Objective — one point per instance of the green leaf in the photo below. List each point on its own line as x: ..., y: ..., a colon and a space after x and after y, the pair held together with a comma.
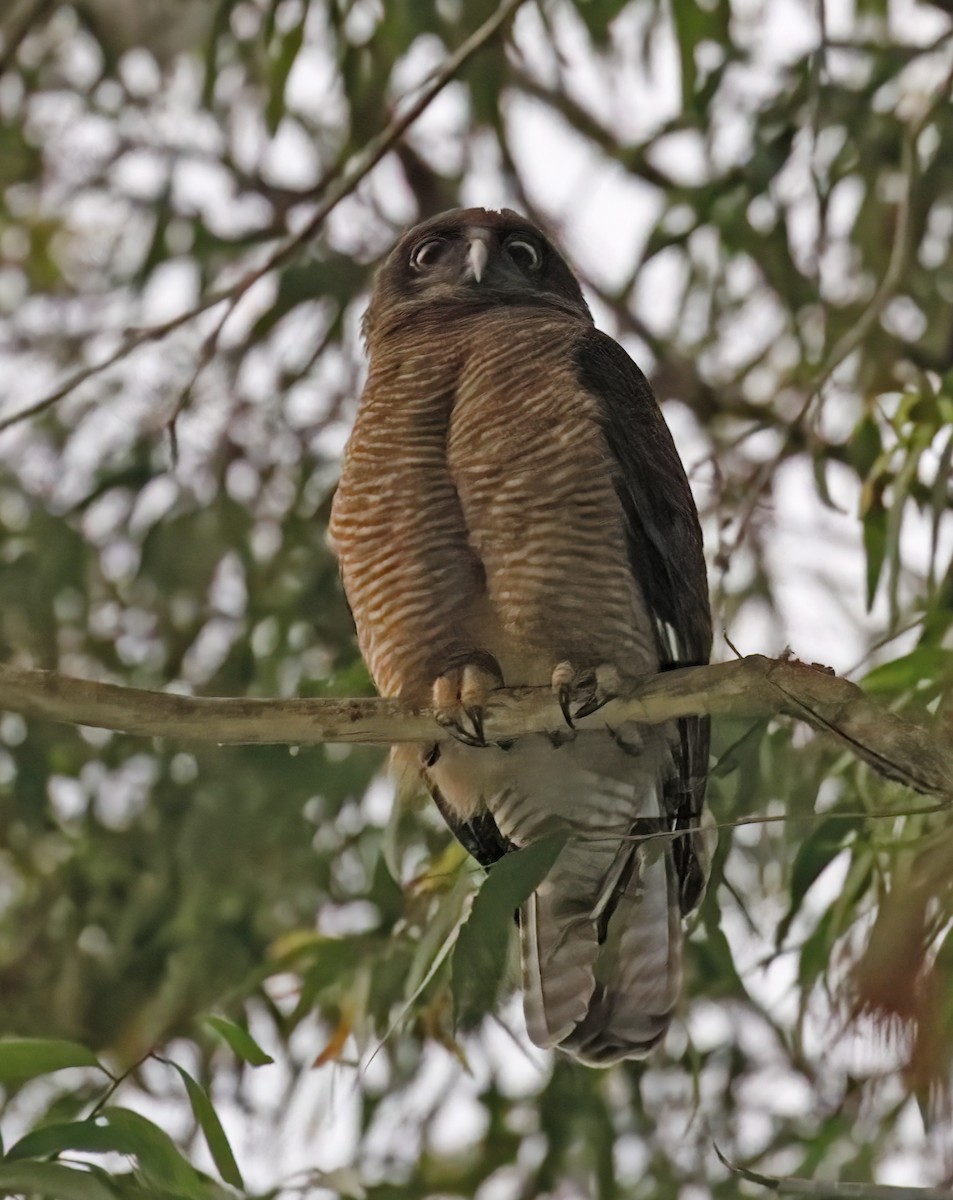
x: 939, y: 501
x: 94, y: 1137
x: 903, y: 482
x: 291, y: 44
x: 865, y: 446
x: 240, y: 1041
x: 598, y: 15
x: 686, y: 20
x: 25, y: 1058
x: 814, y: 955
x: 814, y: 958
x: 159, y: 1158
x: 922, y: 665
x: 54, y: 1180
x: 440, y: 935
x: 211, y: 1126
x: 820, y: 482
x: 816, y: 852
x: 710, y: 956
x: 479, y: 958
x: 122, y: 1131
x: 387, y: 894
x: 875, y: 546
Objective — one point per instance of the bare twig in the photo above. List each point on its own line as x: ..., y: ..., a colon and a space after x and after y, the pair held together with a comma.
x: 133, y: 339
x: 204, y: 357
x: 350, y: 176
x: 915, y: 753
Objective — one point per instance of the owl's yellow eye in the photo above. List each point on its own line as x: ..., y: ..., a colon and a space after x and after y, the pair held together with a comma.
x: 426, y: 253
x: 524, y: 253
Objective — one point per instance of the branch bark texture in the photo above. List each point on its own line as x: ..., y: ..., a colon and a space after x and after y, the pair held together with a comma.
x: 917, y: 753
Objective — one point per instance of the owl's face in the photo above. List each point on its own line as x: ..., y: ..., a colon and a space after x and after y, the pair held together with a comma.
x: 474, y: 257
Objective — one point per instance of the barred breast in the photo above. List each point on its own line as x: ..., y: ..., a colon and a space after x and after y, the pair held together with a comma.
x: 536, y: 485
x: 409, y: 573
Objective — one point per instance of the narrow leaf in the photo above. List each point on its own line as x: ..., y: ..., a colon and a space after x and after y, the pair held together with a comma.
x: 52, y: 1180
x: 25, y: 1058
x: 335, y: 1045
x: 240, y: 1040
x: 875, y: 546
x: 815, y: 853
x: 685, y: 18
x: 90, y: 1136
x: 211, y: 1126
x: 159, y: 1158
x: 865, y: 446
x: 923, y: 665
x: 281, y: 69
x: 479, y: 958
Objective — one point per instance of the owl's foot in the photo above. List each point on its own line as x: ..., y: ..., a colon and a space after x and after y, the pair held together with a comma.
x: 460, y: 696
x: 581, y: 692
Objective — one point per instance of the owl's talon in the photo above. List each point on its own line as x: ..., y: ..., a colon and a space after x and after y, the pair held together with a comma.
x: 563, y: 677
x: 476, y: 718
x: 582, y: 692
x: 565, y: 699
x: 449, y: 718
x: 461, y: 694
x: 463, y: 734
x: 588, y: 707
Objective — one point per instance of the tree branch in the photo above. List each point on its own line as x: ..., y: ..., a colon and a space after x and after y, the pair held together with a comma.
x: 916, y: 753
x: 341, y: 181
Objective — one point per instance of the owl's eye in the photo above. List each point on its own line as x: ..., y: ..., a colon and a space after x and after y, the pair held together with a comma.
x: 426, y: 253
x: 524, y: 253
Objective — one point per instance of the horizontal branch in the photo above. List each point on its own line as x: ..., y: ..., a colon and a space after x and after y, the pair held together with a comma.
x: 916, y: 753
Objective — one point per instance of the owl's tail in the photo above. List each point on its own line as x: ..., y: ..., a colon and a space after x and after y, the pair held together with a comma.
x: 601, y: 950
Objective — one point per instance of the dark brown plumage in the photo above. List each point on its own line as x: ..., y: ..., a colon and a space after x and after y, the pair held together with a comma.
x: 512, y: 508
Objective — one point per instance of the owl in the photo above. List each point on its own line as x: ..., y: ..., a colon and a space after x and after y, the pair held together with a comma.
x: 512, y: 511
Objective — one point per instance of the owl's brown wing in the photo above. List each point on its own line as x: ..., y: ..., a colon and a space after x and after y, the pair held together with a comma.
x: 665, y: 553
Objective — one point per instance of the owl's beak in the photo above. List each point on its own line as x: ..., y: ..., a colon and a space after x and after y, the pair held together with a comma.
x: 477, y: 257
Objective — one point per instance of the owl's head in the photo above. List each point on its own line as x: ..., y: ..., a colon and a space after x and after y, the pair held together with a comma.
x: 473, y: 257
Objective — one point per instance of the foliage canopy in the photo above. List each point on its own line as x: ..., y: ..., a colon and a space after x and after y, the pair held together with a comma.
x: 759, y: 197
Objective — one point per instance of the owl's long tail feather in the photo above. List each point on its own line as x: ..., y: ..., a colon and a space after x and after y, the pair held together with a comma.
x: 601, y: 950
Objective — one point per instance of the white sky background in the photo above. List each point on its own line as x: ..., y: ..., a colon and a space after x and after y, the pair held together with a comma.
x: 603, y: 216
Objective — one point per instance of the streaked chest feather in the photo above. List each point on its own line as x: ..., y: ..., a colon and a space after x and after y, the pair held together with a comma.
x: 478, y: 506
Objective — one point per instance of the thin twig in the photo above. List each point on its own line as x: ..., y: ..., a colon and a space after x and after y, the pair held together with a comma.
x: 117, y: 1082
x: 133, y: 339
x: 202, y: 360
x: 351, y: 175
